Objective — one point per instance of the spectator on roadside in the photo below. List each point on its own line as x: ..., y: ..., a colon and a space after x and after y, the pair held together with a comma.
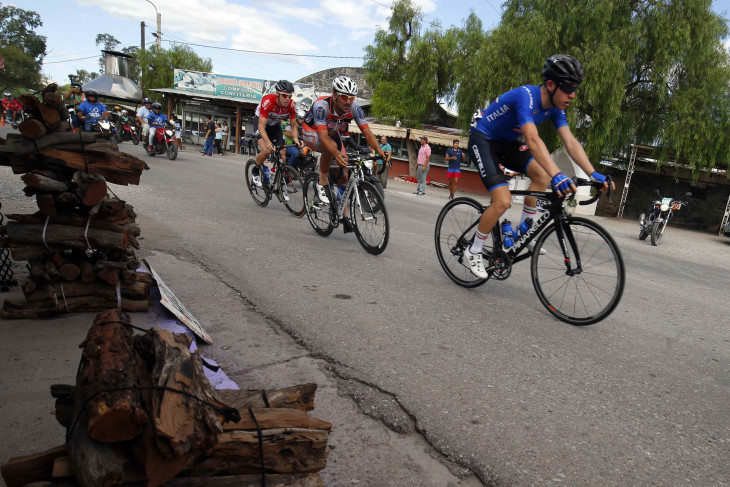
x: 218, y: 138
x: 178, y: 132
x: 424, y: 158
x: 225, y: 132
x: 74, y: 97
x: 386, y: 164
x: 251, y: 145
x: 454, y: 156
x: 209, y: 136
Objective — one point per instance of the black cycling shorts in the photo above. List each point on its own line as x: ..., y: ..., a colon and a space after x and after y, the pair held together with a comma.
x: 489, y: 154
x: 276, y: 135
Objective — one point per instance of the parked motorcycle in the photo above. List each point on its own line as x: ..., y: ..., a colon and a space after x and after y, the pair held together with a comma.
x: 658, y: 216
x: 128, y: 131
x: 19, y: 118
x: 164, y: 142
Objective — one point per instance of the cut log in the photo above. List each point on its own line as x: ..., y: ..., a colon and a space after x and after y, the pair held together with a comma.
x: 69, y: 272
x: 50, y: 116
x: 299, y: 397
x: 64, y: 395
x: 87, y: 271
x: 20, y: 145
x: 43, y: 183
x: 110, y: 276
x: 91, y: 187
x: 52, y: 270
x: 68, y: 237
x: 72, y: 289
x: 68, y: 200
x: 294, y: 480
x: 20, y: 309
x: 286, y: 450
x: 276, y: 418
x: 46, y: 204
x: 32, y: 128
x: 20, y: 471
x: 94, y: 463
x: 73, y: 219
x: 121, y: 168
x: 108, y: 363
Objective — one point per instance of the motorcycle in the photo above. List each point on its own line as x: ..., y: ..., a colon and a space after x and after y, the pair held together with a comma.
x: 164, y: 142
x: 129, y: 132
x: 105, y: 126
x: 658, y: 216
x: 19, y: 118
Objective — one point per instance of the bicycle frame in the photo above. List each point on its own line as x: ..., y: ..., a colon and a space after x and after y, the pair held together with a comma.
x: 353, y: 181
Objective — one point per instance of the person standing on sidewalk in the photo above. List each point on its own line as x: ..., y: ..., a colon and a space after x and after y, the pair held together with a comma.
x: 454, y: 156
x: 424, y: 158
x: 218, y: 138
x: 386, y: 163
x: 225, y: 131
x: 209, y: 136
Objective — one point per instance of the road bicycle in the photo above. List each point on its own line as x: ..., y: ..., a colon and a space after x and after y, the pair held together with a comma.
x: 580, y: 276
x: 284, y: 182
x: 365, y: 206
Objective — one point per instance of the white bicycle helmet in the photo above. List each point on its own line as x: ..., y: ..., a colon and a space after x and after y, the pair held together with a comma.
x: 344, y: 85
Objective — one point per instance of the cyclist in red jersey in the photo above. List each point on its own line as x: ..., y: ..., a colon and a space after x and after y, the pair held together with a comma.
x: 272, y: 110
x: 327, y: 119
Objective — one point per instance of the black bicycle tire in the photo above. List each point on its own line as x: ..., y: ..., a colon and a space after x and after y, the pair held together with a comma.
x: 656, y: 233
x: 439, y: 251
x: 364, y: 186
x: 311, y: 179
x: 250, y: 185
x: 621, y: 273
x: 294, y: 174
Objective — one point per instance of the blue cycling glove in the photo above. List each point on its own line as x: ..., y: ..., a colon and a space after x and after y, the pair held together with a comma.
x: 561, y: 182
x: 598, y: 177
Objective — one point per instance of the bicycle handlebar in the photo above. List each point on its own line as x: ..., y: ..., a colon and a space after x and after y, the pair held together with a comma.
x: 595, y: 184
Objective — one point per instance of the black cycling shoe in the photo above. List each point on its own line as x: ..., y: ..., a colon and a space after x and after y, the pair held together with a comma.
x: 347, y: 225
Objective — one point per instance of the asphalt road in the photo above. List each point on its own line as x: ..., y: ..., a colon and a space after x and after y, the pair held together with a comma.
x: 493, y: 381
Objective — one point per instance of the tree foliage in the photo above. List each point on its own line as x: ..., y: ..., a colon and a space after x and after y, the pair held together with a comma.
x: 108, y: 43
x: 21, y: 48
x: 656, y: 71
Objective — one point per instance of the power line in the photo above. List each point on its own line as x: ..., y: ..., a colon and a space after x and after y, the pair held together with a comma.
x: 264, y: 52
x: 69, y: 60
x: 493, y: 7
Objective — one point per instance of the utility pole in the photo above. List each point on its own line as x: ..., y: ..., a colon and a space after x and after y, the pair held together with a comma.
x: 159, y: 25
x: 141, y: 71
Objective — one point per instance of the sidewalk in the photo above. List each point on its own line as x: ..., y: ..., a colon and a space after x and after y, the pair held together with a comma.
x: 254, y: 351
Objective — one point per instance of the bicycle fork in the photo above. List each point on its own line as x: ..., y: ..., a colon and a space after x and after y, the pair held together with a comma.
x: 563, y: 231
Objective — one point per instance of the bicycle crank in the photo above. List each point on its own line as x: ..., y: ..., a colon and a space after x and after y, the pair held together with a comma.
x: 500, y: 264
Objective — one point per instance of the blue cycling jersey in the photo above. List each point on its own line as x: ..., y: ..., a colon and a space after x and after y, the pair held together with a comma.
x: 502, y: 120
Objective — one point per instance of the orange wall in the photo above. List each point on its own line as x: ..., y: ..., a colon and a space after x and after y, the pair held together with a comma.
x: 469, y: 181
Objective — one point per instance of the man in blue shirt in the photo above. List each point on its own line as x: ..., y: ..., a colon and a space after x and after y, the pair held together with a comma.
x: 91, y: 109
x: 155, y: 119
x: 493, y: 140
x: 454, y: 156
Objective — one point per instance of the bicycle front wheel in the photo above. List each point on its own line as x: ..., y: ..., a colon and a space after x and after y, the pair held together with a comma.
x: 258, y: 193
x: 455, y: 228
x: 590, y: 294
x: 318, y: 213
x: 291, y: 189
x: 372, y: 227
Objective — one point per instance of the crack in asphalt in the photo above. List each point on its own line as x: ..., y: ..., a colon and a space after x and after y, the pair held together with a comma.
x: 457, y: 466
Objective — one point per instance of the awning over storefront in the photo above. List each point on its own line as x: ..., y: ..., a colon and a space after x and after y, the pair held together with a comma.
x: 204, y: 97
x: 434, y: 137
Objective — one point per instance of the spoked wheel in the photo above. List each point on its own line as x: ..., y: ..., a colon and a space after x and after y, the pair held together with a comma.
x: 291, y: 190
x: 258, y: 193
x: 370, y: 217
x: 135, y: 139
x: 642, y: 223
x: 455, y: 229
x: 657, y: 232
x: 318, y: 213
x: 590, y: 295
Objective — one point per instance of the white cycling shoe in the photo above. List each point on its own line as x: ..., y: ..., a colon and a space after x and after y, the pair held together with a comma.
x: 257, y: 181
x: 531, y: 248
x: 322, y: 194
x: 475, y: 263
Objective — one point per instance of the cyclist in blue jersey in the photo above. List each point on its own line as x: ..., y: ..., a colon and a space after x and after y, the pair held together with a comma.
x: 493, y: 141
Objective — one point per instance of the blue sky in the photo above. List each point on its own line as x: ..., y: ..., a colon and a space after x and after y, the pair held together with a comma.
x: 313, y: 27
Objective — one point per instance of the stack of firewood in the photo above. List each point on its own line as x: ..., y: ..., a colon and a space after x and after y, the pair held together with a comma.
x: 79, y: 244
x: 157, y: 418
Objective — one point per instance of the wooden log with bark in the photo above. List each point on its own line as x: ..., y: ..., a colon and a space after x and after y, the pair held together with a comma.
x: 20, y: 309
x: 75, y: 220
x: 91, y: 187
x: 107, y: 363
x: 299, y: 397
x: 68, y: 237
x: 72, y: 289
x: 44, y: 183
x: 32, y: 128
x: 20, y: 471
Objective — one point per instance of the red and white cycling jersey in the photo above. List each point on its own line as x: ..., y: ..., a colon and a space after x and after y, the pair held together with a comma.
x: 269, y: 109
x: 322, y: 116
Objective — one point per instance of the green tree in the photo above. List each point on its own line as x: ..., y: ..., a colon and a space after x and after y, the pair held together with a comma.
x: 83, y: 76
x: 656, y: 72
x: 21, y: 48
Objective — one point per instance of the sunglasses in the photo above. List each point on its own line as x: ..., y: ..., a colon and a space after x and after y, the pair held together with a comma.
x: 347, y: 97
x: 568, y: 88
x: 285, y: 95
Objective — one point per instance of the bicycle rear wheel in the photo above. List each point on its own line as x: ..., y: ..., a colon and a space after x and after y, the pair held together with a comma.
x: 291, y: 189
x: 318, y: 213
x: 582, y: 298
x: 259, y: 194
x: 372, y: 227
x: 452, y: 238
